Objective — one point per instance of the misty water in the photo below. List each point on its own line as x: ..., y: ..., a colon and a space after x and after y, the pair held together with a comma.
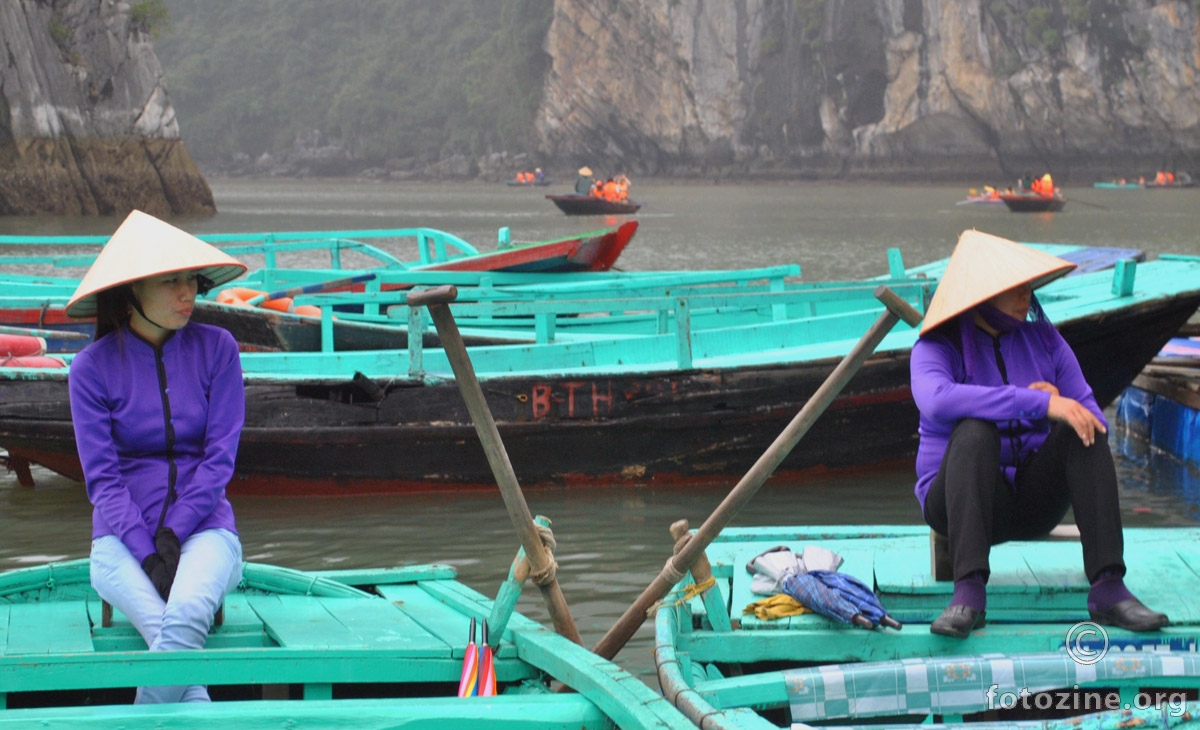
x: 612, y: 542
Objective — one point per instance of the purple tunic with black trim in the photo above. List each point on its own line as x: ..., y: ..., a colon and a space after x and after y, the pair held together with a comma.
x: 124, y: 416
x: 945, y: 394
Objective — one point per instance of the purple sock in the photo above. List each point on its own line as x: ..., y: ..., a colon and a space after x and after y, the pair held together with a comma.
x: 970, y: 591
x: 1107, y: 591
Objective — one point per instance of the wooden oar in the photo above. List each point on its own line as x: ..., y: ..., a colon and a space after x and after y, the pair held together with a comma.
x: 48, y: 334
x: 296, y: 291
x: 681, y: 562
x: 437, y: 299
x: 1084, y: 202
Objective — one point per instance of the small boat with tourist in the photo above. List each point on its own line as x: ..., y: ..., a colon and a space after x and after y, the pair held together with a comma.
x: 576, y: 204
x: 384, y: 647
x: 611, y: 386
x: 1029, y: 202
x: 733, y: 651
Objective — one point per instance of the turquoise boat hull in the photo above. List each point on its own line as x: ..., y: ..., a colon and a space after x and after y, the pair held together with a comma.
x: 365, y: 648
x: 716, y: 660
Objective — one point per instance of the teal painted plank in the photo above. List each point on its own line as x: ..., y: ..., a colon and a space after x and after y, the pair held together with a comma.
x: 3, y: 629
x: 516, y: 712
x: 48, y: 628
x: 380, y: 625
x: 433, y: 615
x: 301, y: 622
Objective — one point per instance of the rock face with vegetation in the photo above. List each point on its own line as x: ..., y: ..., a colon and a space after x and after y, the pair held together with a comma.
x: 86, y: 125
x: 893, y: 88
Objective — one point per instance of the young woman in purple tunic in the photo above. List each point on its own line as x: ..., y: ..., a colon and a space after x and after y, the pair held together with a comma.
x: 157, y: 404
x: 1010, y: 433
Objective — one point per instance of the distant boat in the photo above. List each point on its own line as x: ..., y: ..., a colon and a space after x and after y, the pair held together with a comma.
x: 1033, y: 203
x: 575, y: 204
x: 1118, y: 185
x: 981, y: 200
x: 529, y: 183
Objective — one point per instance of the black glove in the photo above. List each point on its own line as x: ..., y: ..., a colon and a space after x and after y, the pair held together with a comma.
x: 166, y: 543
x: 156, y: 568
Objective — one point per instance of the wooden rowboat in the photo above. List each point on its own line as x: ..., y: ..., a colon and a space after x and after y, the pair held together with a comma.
x: 1037, y: 653
x: 1033, y: 203
x: 659, y: 400
x: 575, y: 204
x: 363, y: 648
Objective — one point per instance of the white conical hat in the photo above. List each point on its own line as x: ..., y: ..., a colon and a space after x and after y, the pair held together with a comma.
x: 145, y: 246
x: 983, y: 266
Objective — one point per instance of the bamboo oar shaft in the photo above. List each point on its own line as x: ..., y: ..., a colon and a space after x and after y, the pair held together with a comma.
x: 635, y: 615
x: 48, y: 334
x: 485, y: 426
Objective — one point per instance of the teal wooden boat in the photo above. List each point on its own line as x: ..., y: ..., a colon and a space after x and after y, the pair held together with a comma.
x: 1038, y: 651
x: 654, y: 400
x: 368, y: 648
x: 349, y: 260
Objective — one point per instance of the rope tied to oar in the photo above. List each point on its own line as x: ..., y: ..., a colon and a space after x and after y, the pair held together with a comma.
x: 550, y: 572
x: 692, y: 590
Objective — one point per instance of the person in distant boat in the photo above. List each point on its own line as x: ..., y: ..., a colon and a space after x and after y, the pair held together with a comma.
x: 622, y: 183
x: 538, y: 175
x: 1011, y: 435
x: 1047, y: 188
x: 1026, y: 182
x: 583, y: 183
x: 157, y: 403
x: 609, y: 190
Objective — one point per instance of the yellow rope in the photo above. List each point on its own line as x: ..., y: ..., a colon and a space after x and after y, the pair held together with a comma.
x: 692, y: 591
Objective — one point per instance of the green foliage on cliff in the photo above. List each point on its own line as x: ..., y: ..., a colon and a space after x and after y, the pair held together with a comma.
x: 388, y: 80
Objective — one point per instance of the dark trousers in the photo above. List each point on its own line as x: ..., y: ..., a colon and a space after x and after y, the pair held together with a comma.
x: 972, y: 504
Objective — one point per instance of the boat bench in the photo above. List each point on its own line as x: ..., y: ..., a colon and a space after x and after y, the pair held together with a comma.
x: 106, y: 614
x: 942, y: 568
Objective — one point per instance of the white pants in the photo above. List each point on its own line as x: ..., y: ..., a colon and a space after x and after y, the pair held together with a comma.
x: 210, y: 565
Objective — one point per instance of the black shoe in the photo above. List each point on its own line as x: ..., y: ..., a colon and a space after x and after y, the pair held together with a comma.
x: 1130, y: 614
x: 958, y: 621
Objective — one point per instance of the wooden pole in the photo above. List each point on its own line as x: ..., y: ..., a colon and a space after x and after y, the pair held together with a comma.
x: 680, y: 563
x: 437, y: 300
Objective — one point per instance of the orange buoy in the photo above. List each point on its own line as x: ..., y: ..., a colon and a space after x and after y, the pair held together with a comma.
x: 31, y: 361
x: 21, y: 345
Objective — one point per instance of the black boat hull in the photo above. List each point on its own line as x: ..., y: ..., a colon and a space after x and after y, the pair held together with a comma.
x: 683, y: 427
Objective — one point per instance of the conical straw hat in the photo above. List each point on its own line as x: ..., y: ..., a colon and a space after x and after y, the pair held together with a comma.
x: 585, y: 171
x: 983, y: 266
x: 145, y: 246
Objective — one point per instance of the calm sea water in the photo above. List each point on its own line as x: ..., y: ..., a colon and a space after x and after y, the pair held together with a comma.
x: 612, y: 542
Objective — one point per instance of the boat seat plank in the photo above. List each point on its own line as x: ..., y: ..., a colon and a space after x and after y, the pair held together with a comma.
x: 50, y: 627
x: 431, y: 614
x: 300, y: 622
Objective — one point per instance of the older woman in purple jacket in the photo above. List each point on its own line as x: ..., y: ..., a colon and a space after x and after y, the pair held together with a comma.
x: 1011, y: 435
x: 157, y: 405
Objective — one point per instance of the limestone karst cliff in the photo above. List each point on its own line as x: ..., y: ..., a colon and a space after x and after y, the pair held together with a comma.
x: 901, y: 88
x: 86, y: 125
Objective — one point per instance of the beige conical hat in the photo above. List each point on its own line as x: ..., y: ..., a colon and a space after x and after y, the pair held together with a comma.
x: 145, y: 246
x: 585, y: 171
x: 981, y: 267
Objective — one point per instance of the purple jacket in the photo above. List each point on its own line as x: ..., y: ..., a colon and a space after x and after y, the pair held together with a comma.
x: 119, y: 409
x: 945, y: 394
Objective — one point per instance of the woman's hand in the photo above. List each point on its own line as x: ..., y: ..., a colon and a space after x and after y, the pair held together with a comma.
x: 1075, y: 415
x: 1042, y: 385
